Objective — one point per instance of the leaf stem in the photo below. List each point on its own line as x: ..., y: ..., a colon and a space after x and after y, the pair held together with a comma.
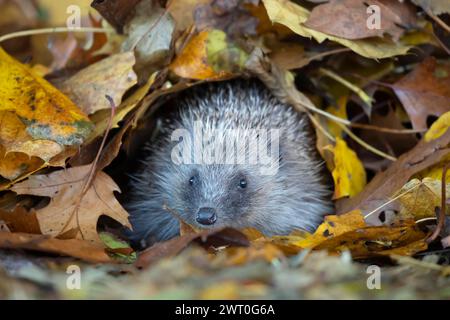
x: 393, y: 199
x: 438, y: 20
x: 25, y: 33
x: 365, y: 145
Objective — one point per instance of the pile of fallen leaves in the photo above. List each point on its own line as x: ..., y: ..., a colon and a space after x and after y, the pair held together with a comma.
x: 74, y: 106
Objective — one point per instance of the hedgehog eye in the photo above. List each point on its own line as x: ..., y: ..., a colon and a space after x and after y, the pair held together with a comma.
x: 243, y: 183
x: 192, y: 180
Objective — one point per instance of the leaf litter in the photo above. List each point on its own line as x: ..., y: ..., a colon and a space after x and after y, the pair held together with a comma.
x: 54, y: 114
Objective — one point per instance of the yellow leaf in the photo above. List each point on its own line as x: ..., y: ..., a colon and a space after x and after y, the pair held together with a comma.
x: 340, y: 112
x: 348, y: 173
x: 435, y: 171
x: 192, y: 62
x: 221, y: 290
x: 372, y: 241
x: 293, y: 16
x: 350, y: 232
x: 37, y: 122
x: 15, y: 164
x: 207, y: 56
x: 333, y: 226
x: 14, y: 138
x: 46, y: 112
x: 422, y: 199
x: 438, y: 128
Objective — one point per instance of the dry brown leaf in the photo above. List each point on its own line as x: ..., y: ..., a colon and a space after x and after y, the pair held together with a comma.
x: 425, y: 91
x: 348, y: 19
x: 112, y: 76
x: 70, y: 210
x: 232, y: 17
x: 436, y: 7
x: 258, y: 250
x: 183, y: 11
x: 15, y: 164
x: 289, y: 56
x: 21, y: 220
x: 422, y: 199
x: 206, y: 238
x: 149, y: 35
x: 380, y: 189
x: 293, y: 16
x: 116, y: 12
x: 4, y: 227
x: 81, y: 249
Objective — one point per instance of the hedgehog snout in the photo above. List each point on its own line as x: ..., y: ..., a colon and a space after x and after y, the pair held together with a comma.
x: 206, y: 216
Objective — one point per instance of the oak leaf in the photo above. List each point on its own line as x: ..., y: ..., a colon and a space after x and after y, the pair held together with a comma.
x: 425, y: 91
x: 420, y: 198
x: 73, y: 210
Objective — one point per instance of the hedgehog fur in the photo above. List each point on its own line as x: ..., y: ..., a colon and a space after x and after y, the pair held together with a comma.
x: 164, y: 191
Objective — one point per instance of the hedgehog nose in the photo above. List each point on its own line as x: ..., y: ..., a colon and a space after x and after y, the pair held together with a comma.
x: 206, y: 216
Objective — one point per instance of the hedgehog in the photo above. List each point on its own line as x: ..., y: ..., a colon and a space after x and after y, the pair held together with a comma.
x: 230, y: 154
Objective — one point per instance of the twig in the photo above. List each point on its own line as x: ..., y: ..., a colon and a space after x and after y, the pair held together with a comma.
x: 11, y: 183
x: 392, y: 200
x: 441, y: 43
x: 443, y: 209
x: 366, y: 145
x: 26, y: 33
x: 93, y: 168
x: 320, y: 127
x: 364, y: 96
x: 102, y: 145
x: 383, y: 129
x: 327, y: 53
x: 438, y: 20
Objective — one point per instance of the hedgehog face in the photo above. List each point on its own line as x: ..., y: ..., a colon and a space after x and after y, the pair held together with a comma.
x: 215, y: 195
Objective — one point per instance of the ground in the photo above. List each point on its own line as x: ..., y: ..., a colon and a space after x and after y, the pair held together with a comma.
x: 193, y: 274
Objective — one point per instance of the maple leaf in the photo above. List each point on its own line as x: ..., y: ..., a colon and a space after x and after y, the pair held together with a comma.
x: 73, y: 212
